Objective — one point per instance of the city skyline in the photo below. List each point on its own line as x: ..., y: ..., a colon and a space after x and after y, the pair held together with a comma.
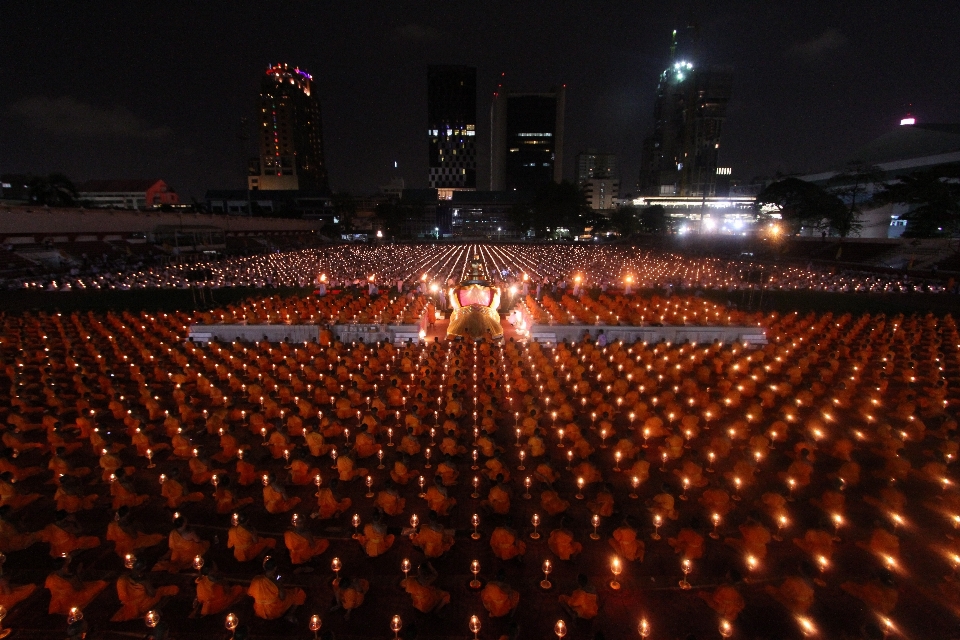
x: 125, y: 100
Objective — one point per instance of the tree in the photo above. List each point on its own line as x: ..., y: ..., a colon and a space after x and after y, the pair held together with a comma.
x: 800, y: 204
x: 625, y: 220
x: 54, y: 190
x: 653, y: 219
x: 852, y: 186
x: 934, y: 196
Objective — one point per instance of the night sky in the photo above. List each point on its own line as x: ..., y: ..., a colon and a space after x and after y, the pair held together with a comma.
x: 137, y: 88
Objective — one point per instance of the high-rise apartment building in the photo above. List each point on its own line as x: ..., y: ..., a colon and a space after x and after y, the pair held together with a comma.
x: 601, y: 193
x: 526, y: 139
x: 681, y: 156
x: 289, y: 134
x: 452, y: 127
x: 591, y: 164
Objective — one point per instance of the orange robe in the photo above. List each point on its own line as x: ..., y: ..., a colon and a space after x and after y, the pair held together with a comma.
x: 329, y: 506
x: 433, y: 542
x: 551, y: 502
x: 498, y: 500
x: 124, y: 543
x: 499, y: 599
x: 267, y: 601
x: 365, y: 445
x: 134, y: 599
x: 876, y: 595
x: 173, y: 492
x: 626, y: 545
x: 13, y: 540
x: 348, y: 471
x: 63, y: 542
x: 375, y: 539
x: 11, y: 596
x: 227, y: 501
x: 125, y: 497
x: 602, y: 505
x: 391, y: 503
x: 64, y: 595
x: 72, y: 503
x: 754, y: 541
x: 725, y: 600
x: 688, y: 544
x: 301, y: 473
x: 438, y: 502
x: 275, y: 503
x: 10, y: 497
x: 182, y: 552
x: 214, y: 596
x: 505, y: 545
x: 349, y: 597
x: 245, y: 544
x: 584, y: 603
x: 794, y: 593
x: 400, y: 474
x: 425, y: 597
x: 561, y: 542
x: 303, y: 548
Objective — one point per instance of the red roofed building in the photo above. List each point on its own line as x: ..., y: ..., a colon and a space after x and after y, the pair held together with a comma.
x: 127, y: 194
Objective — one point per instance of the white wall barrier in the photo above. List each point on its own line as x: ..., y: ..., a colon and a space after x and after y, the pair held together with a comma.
x: 674, y: 334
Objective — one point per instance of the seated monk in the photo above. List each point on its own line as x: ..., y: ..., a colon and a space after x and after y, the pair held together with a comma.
x: 432, y: 538
x: 552, y: 503
x: 725, y: 600
x: 348, y: 470
x: 174, y: 493
x: 123, y: 492
x: 137, y: 595
x: 227, y: 501
x: 664, y: 505
x: 640, y: 470
x: 316, y: 443
x: 499, y: 598
x: 498, y: 499
x: 879, y: 594
x: 275, y: 497
x: 536, y: 445
x: 794, y: 593
x: 245, y: 542
x: 66, y: 589
x: 437, y: 499
x: 375, y: 539
x: 562, y: 543
x: 61, y: 467
x: 625, y: 542
x: 716, y: 501
x: 583, y: 603
x: 270, y: 600
x: 10, y: 497
x: 328, y: 502
x: 277, y: 443
x: 389, y: 500
x: 201, y: 471
x: 246, y: 471
x: 300, y: 542
x: 111, y: 463
x: 229, y: 447
x: 11, y: 596
x: 301, y: 473
x: 409, y: 444
x: 17, y: 473
x: 602, y: 504
x: 62, y: 538
x: 185, y: 545
x: 69, y: 496
x: 447, y: 470
x: 401, y: 472
x: 588, y: 471
x: 365, y: 444
x: 546, y: 473
x: 449, y: 447
x: 754, y: 540
x: 214, y: 596
x: 688, y: 543
x: 505, y: 543
x: 495, y: 467
x: 426, y: 598
x: 349, y: 592
x: 11, y: 538
x: 817, y: 543
x: 125, y: 538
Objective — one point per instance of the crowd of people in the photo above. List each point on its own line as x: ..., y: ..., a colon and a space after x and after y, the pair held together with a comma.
x: 597, y: 266
x: 154, y: 486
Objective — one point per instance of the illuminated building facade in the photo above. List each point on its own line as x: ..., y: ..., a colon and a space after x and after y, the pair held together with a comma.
x: 526, y: 149
x: 452, y: 127
x: 601, y: 193
x: 591, y: 164
x: 681, y: 156
x: 289, y: 134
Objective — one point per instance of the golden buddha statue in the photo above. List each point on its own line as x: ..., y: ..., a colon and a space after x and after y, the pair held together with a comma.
x: 475, y: 302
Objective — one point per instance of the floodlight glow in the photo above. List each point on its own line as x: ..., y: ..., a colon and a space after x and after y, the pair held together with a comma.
x: 907, y: 121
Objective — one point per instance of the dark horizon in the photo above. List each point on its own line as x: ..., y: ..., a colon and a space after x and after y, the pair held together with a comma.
x: 149, y: 90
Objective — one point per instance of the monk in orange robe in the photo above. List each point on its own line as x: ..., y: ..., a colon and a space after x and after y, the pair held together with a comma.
x: 437, y: 499
x: 432, y: 538
x: 552, y: 503
x: 185, y: 545
x: 348, y: 470
x: 125, y: 538
x: 498, y: 500
x: 426, y: 598
x: 879, y: 594
x: 69, y: 496
x: 447, y: 470
x: 390, y: 501
x: 329, y: 503
x: 499, y: 598
x: 754, y: 540
x: 401, y: 472
x: 366, y: 444
x: 275, y: 497
x: 794, y: 593
x: 725, y: 600
x: 349, y: 592
x: 11, y: 538
x: 316, y: 443
x: 300, y: 542
x: 625, y: 542
x: 583, y: 603
x: 174, y: 493
x: 546, y: 473
x: 124, y: 494
x: 214, y: 596
x: 505, y: 543
x: 374, y: 539
x: 245, y: 542
x: 495, y: 468
x: 688, y: 543
x: 301, y: 473
x: 602, y: 504
x: 11, y: 595
x: 137, y: 595
x: 9, y: 496
x: 246, y: 471
x: 66, y: 589
x: 562, y: 543
x: 270, y: 600
x: 226, y: 499
x: 62, y: 537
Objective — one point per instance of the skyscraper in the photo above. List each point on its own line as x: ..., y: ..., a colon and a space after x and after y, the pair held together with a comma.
x: 681, y: 156
x: 591, y: 164
x: 452, y: 127
x: 290, y: 134
x: 526, y: 139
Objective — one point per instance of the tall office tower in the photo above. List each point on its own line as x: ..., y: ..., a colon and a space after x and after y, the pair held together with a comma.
x: 526, y: 139
x: 591, y: 164
x: 681, y: 156
x: 290, y: 134
x: 452, y: 127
